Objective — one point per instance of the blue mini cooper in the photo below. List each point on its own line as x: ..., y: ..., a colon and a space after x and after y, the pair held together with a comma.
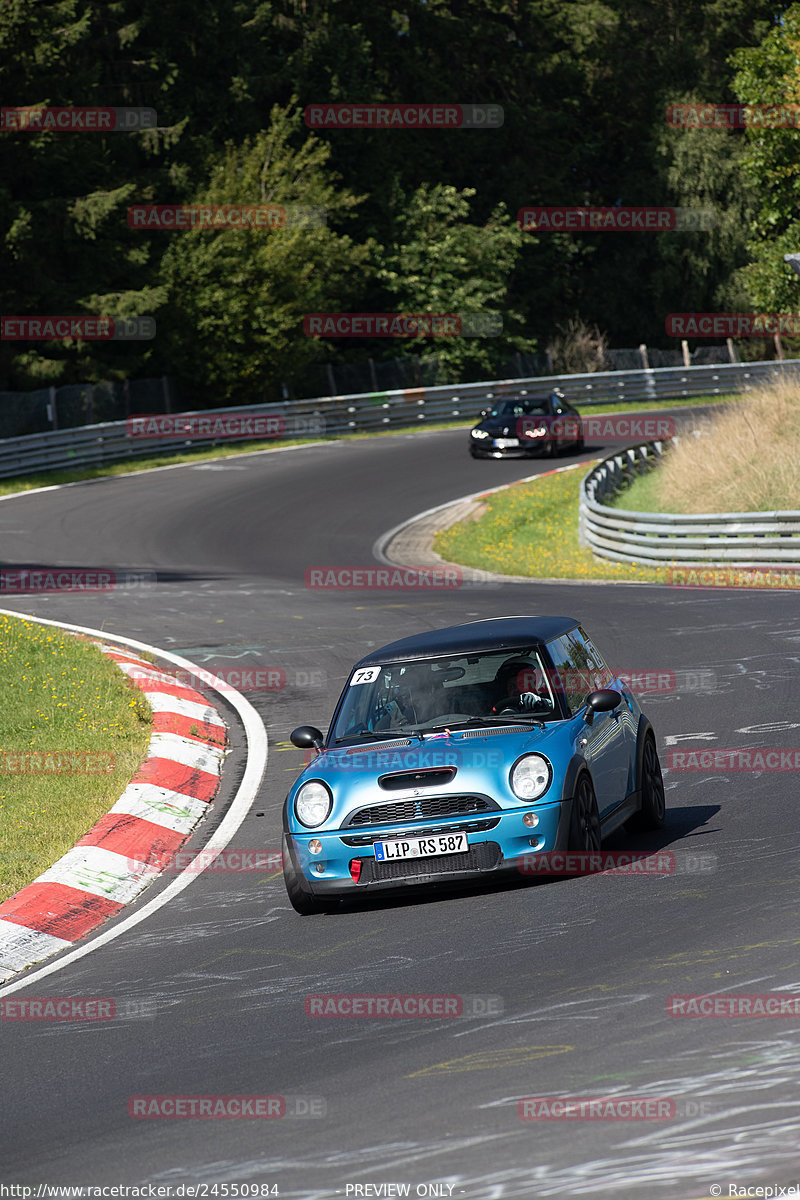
x: 462, y: 752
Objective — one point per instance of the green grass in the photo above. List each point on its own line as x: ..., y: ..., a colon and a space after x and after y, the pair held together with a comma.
x: 532, y: 529
x: 26, y: 483
x: 59, y: 695
x: 643, y: 495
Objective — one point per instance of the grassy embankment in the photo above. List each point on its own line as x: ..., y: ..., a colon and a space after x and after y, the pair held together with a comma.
x: 743, y: 461
x: 747, y: 460
x: 72, y: 734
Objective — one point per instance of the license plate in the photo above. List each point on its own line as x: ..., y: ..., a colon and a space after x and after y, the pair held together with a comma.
x: 445, y: 843
x: 504, y: 443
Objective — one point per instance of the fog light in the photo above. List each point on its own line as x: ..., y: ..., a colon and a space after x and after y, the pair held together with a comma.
x: 536, y: 843
x: 319, y: 868
x: 531, y: 820
x: 315, y: 846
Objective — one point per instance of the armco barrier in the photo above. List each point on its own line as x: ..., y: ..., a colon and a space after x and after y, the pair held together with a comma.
x: 95, y: 445
x: 657, y: 539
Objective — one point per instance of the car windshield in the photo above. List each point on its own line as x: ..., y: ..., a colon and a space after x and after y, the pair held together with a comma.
x: 421, y: 696
x: 519, y: 408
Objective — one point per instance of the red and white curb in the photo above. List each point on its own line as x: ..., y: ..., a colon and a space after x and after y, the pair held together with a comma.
x: 111, y: 864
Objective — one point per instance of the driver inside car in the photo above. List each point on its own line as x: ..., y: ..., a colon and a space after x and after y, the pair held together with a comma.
x: 520, y: 686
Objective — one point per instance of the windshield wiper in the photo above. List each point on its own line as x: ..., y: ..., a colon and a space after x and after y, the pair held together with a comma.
x: 477, y: 722
x: 388, y: 735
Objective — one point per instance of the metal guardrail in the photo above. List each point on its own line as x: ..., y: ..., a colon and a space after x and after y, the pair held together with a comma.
x: 677, y: 539
x: 97, y: 445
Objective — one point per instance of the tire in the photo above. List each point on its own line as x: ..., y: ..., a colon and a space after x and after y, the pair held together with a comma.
x: 584, y: 831
x: 301, y: 900
x: 652, y: 814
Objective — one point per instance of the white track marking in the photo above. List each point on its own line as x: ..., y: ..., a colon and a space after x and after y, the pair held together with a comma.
x: 257, y: 756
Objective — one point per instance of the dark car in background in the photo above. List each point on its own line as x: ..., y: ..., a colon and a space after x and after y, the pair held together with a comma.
x: 524, y: 426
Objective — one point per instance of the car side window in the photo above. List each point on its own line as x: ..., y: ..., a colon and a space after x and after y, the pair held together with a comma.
x: 579, y: 666
x: 569, y: 678
x: 599, y: 672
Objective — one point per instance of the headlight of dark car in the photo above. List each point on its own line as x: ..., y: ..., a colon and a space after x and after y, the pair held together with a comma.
x: 530, y: 777
x: 313, y: 803
x: 479, y: 433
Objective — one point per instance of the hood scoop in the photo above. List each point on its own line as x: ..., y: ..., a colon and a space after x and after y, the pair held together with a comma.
x: 402, y: 781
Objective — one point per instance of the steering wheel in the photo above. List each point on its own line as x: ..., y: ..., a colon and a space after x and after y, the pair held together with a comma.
x: 512, y: 702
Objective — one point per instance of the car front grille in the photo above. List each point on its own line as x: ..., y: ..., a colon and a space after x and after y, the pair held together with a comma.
x: 482, y: 857
x: 368, y: 839
x: 420, y: 808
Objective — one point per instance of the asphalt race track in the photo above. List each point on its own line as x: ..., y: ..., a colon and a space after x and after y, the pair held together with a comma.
x: 581, y: 968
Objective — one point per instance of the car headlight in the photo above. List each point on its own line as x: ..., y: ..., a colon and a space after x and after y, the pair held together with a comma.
x: 313, y: 803
x: 536, y: 431
x: 479, y: 433
x: 530, y: 777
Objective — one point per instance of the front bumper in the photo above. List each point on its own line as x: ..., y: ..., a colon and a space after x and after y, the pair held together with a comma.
x: 503, y: 848
x: 532, y: 450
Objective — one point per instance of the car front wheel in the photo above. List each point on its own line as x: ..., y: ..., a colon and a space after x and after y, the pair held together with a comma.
x: 584, y: 834
x: 652, y: 814
x: 301, y: 900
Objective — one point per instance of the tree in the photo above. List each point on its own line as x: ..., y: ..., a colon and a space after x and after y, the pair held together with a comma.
x: 236, y: 298
x: 438, y: 262
x: 770, y: 74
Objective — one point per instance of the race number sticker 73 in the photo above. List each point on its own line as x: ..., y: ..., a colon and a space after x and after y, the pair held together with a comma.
x: 365, y: 675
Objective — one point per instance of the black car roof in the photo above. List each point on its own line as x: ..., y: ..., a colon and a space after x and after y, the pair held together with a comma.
x: 498, y: 633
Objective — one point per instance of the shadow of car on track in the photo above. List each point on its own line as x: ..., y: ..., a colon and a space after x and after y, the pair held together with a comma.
x: 664, y: 850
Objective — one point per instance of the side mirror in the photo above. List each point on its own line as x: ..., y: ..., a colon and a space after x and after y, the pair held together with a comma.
x: 307, y: 737
x: 603, y: 701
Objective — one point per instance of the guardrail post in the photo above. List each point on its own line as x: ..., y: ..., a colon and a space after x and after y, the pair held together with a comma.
x: 52, y: 409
